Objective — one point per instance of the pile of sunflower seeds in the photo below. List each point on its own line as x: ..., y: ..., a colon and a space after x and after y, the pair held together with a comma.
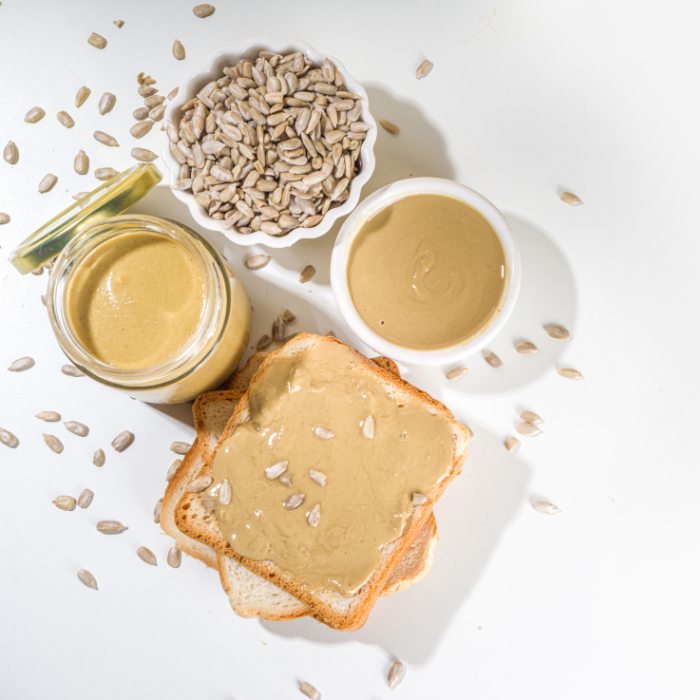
x: 271, y: 146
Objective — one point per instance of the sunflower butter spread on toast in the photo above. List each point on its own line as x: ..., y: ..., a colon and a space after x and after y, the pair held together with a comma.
x: 324, y: 473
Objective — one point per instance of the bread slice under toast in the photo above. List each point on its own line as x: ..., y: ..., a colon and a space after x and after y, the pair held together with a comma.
x: 249, y: 594
x: 344, y: 613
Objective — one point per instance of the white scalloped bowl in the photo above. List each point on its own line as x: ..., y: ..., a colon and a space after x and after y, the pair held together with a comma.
x: 213, y: 70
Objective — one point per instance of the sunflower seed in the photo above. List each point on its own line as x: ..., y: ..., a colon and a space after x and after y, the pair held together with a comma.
x: 105, y: 173
x: 48, y: 416
x: 76, y: 428
x: 71, y: 371
x: 456, y: 373
x: 65, y: 502
x: 284, y: 479
x: 87, y: 579
x: 368, y: 428
x: 569, y: 373
x: 11, y: 154
x: 288, y: 316
x: 122, y: 441
x: 8, y: 439
x: 99, y: 42
x: 46, y: 185
x: 318, y: 477
x: 419, y: 499
x: 199, y: 484
x: 143, y: 154
x: 546, y: 508
x: 81, y: 163
x: 278, y: 329
x: 54, y: 443
x: 396, y: 674
x: 225, y: 493
x: 307, y: 273
x: 154, y: 101
x: 276, y: 469
x: 106, y: 103
x: 314, y: 515
x: 308, y: 690
x: 156, y: 510
x: 4, y: 219
x: 34, y: 115
x: 557, y: 332
x: 180, y: 448
x: 146, y: 89
x: 203, y: 11
x: 388, y: 126
x: 423, y: 69
x: 257, y: 262
x: 173, y: 94
x: 294, y: 501
x: 492, y: 359
x: 105, y: 139
x: 85, y: 498
x: 528, y: 429
x: 178, y: 50
x: 140, y: 129
x: 569, y: 198
x: 22, y: 364
x: 98, y: 459
x: 173, y: 468
x: 320, y: 431
x: 527, y: 348
x: 174, y: 557
x: 81, y: 96
x: 156, y: 114
x: 38, y: 271
x: 263, y: 342
x: 111, y: 527
x: 141, y: 113
x: 147, y: 555
x: 531, y: 417
x: 512, y: 445
x: 119, y: 23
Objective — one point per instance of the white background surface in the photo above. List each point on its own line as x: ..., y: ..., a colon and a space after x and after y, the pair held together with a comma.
x: 526, y: 99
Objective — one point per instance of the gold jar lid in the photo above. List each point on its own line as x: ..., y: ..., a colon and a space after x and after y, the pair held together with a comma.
x: 110, y: 199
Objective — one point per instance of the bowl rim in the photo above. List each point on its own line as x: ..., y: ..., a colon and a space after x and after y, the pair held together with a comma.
x: 198, y: 77
x: 382, y: 198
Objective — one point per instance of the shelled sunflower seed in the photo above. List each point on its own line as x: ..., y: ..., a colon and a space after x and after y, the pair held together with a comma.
x: 174, y: 557
x: 65, y: 119
x: 76, y: 428
x: 4, y: 219
x: 8, y: 439
x: 70, y: 370
x: 85, y: 498
x: 111, y: 527
x: 98, y: 459
x: 82, y: 95
x: 180, y: 448
x: 512, y: 444
x: 527, y: 348
x: 203, y: 11
x: 48, y: 416
x: 65, y: 502
x: 308, y: 690
x: 11, y: 153
x: 106, y: 103
x: 178, y: 50
x: 105, y: 173
x: 47, y: 184
x: 87, y: 579
x: 21, y: 365
x: 141, y: 128
x: 389, y: 127
x: 492, y: 359
x: 147, y: 555
x: 423, y: 69
x: 307, y: 273
x: 119, y: 23
x: 272, y: 145
x: 571, y: 199
x: 105, y: 139
x: 264, y: 342
x: 55, y: 445
x: 34, y: 115
x: 122, y: 441
x: 456, y: 373
x: 143, y: 154
x: 173, y: 94
x: 81, y: 164
x: 396, y: 674
x: 99, y: 42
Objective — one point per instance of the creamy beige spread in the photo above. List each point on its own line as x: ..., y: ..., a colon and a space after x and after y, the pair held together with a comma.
x: 136, y: 299
x: 427, y: 272
x: 312, y: 413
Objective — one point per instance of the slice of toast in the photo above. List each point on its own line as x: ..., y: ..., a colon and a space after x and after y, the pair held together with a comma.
x: 345, y: 613
x: 249, y: 594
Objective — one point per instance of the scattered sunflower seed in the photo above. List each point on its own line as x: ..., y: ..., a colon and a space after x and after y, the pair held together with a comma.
x: 147, y: 89
x: 119, y: 23
x: 209, y: 503
x: 368, y: 428
x: 546, y: 508
x: 22, y: 364
x: 284, y: 479
x: 264, y: 342
x: 85, y: 498
x: 81, y: 96
x: 318, y: 477
x: 174, y: 557
x: 143, y: 154
x: 180, y: 448
x: 173, y: 468
x: 557, y: 332
x: 65, y: 502
x: 147, y: 555
x: 308, y: 690
x: 396, y: 674
x: 87, y: 579
x: 569, y: 373
x: 46, y: 185
x: 528, y: 429
x: 99, y: 42
x: 71, y: 371
x: 34, y: 115
x: 111, y: 527
x: 307, y: 273
x: 198, y: 485
x: 225, y: 493
x: 173, y: 94
x: 570, y: 198
x: 81, y: 164
x: 106, y: 103
x: 98, y: 459
x: 48, y: 416
x: 276, y: 469
x: 65, y: 119
x: 11, y: 154
x: 456, y: 373
x: 140, y: 129
x: 423, y: 69
x: 178, y: 50
x: 294, y: 501
x: 257, y: 262
x: 156, y: 114
x: 4, y: 219
x: 288, y: 317
x: 55, y: 445
x: 512, y: 445
x: 76, y: 428
x: 105, y: 173
x: 141, y: 113
x: 492, y: 359
x: 79, y: 196
x: 388, y: 126
x: 531, y: 417
x: 279, y: 328
x: 156, y: 511
x: 203, y: 11
x: 105, y: 139
x: 324, y: 433
x: 314, y: 515
x: 122, y: 441
x: 527, y: 348
x: 8, y: 439
x: 419, y: 499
